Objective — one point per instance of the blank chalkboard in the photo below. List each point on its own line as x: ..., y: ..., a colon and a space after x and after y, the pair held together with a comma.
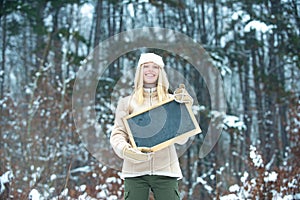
x: 161, y: 125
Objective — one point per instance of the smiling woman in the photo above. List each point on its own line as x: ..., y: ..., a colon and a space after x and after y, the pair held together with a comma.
x: 157, y: 171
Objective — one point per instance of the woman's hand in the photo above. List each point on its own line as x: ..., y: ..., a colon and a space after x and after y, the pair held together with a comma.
x: 145, y: 149
x: 182, y: 96
x: 135, y: 154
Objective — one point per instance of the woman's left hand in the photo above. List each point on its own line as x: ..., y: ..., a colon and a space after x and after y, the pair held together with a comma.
x: 182, y: 96
x: 145, y: 149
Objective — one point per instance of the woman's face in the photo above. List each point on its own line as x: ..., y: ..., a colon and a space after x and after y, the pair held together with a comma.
x: 150, y: 73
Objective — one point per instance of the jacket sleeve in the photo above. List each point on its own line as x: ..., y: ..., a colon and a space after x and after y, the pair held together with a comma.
x: 119, y: 137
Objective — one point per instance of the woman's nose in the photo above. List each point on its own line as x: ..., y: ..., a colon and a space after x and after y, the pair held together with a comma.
x: 151, y: 69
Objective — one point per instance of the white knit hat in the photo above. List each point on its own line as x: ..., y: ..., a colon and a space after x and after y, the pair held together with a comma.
x: 151, y: 57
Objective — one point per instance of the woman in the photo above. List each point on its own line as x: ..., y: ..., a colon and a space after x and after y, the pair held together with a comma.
x: 156, y: 171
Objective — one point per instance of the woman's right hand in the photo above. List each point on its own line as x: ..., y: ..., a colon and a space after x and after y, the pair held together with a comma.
x: 135, y: 154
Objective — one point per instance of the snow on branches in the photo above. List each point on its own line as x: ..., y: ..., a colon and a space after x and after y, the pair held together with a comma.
x: 5, y: 180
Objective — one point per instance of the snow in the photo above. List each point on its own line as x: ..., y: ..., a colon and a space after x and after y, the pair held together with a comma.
x: 81, y: 169
x: 208, y: 188
x: 34, y: 195
x: 229, y: 197
x: 201, y: 180
x: 244, y: 177
x: 234, y: 188
x: 293, y: 184
x: 232, y: 121
x: 3, y: 100
x: 235, y: 16
x: 102, y: 194
x: 53, y: 177
x: 130, y: 9
x: 256, y: 158
x: 251, y: 24
x: 5, y: 178
x: 240, y: 15
x: 258, y: 26
x: 82, y: 188
x: 64, y: 114
x: 49, y: 22
x: 65, y: 192
x: 112, y: 180
x: 271, y: 177
x: 87, y: 10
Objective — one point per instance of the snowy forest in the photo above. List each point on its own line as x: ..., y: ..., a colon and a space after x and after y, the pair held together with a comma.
x: 254, y: 45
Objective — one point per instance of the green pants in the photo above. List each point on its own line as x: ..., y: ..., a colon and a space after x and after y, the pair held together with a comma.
x: 163, y: 188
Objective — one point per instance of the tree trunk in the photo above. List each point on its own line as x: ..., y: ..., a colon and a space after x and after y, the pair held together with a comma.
x: 203, y: 13
x: 57, y: 46
x: 98, y: 32
x: 216, y: 22
x: 2, y: 72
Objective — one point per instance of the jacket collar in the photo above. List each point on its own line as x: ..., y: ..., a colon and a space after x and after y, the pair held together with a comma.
x: 150, y: 92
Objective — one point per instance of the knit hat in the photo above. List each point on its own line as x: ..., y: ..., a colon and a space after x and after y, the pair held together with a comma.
x: 151, y: 57
x: 162, y: 83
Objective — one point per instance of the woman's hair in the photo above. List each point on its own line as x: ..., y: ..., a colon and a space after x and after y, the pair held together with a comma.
x: 162, y: 82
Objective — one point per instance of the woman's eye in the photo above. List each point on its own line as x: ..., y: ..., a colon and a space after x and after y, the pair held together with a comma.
x: 151, y: 66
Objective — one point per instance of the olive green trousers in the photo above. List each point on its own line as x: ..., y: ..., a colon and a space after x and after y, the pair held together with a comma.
x: 162, y: 187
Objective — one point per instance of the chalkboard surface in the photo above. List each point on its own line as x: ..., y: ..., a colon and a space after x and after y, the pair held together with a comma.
x: 161, y: 125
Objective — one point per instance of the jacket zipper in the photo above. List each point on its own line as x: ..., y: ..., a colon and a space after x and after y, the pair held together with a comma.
x: 151, y: 96
x: 151, y: 161
x: 151, y: 166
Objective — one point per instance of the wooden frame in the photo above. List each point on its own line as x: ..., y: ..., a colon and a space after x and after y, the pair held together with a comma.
x: 161, y: 125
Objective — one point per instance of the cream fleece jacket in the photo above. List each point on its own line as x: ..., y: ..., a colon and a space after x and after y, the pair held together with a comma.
x: 164, y: 162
